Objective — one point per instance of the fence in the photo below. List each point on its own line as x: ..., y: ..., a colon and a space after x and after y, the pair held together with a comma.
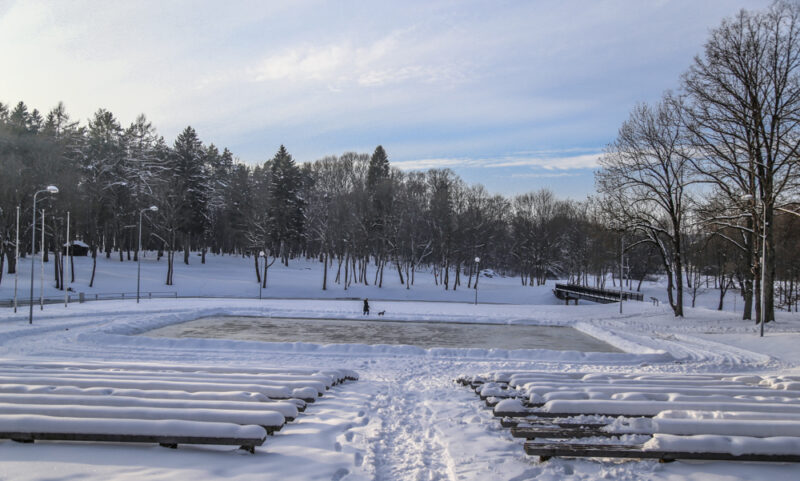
x: 81, y: 297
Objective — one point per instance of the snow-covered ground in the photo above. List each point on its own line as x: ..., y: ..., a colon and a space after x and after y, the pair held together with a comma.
x: 405, y: 419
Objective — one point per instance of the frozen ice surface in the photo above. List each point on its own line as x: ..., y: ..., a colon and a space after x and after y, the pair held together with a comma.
x: 421, y: 334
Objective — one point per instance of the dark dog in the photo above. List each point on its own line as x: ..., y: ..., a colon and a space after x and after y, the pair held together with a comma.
x: 382, y: 313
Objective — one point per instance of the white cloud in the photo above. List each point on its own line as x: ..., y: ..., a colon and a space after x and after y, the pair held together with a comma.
x: 542, y: 175
x: 551, y: 162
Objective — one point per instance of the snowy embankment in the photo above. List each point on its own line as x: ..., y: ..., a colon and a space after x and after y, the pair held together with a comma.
x: 404, y: 418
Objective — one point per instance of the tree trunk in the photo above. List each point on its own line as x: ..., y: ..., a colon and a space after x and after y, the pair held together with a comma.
x: 56, y: 276
x: 747, y: 294
x: 255, y: 264
x: 346, y: 267
x: 94, y: 265
x: 325, y: 272
x: 186, y: 250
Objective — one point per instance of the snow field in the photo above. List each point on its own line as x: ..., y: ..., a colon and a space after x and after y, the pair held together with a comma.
x: 405, y: 419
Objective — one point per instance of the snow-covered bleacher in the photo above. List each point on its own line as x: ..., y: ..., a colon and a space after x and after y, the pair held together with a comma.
x: 662, y: 416
x: 158, y: 403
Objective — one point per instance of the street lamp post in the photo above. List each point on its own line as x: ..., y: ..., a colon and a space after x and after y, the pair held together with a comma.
x: 260, y: 283
x: 41, y: 264
x: 152, y: 208
x: 763, y: 259
x: 16, y: 263
x: 50, y: 189
x: 621, y: 262
x: 477, y: 276
x: 65, y: 269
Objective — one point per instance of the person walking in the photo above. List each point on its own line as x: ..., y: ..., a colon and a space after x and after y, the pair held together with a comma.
x: 366, y: 307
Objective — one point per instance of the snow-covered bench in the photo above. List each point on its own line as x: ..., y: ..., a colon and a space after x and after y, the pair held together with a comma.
x: 167, y: 404
x: 169, y: 433
x: 665, y: 447
x: 683, y: 416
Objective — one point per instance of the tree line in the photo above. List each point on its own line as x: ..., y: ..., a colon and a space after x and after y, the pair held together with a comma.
x: 699, y: 186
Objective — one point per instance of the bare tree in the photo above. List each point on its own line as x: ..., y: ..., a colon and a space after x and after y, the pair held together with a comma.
x: 644, y: 180
x: 744, y: 114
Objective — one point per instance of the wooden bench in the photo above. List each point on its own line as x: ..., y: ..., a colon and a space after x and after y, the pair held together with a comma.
x: 545, y: 451
x: 164, y: 404
x: 169, y: 433
x: 769, y: 429
x: 247, y: 444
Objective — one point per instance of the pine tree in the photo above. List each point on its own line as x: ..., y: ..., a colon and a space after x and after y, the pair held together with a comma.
x: 189, y: 178
x: 286, y: 213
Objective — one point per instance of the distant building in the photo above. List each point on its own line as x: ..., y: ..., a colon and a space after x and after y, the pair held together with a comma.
x: 78, y: 248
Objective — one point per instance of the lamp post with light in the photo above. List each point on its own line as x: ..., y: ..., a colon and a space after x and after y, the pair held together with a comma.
x: 50, y: 189
x: 748, y: 197
x: 152, y: 208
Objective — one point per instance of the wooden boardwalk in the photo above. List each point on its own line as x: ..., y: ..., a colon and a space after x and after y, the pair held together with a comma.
x: 573, y: 292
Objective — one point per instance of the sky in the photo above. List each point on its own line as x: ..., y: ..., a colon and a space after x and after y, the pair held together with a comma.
x: 516, y: 96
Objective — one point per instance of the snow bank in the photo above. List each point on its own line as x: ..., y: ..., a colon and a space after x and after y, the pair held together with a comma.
x: 735, y: 445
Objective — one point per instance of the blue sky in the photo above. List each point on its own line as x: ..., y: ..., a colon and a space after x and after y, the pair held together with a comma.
x: 514, y: 95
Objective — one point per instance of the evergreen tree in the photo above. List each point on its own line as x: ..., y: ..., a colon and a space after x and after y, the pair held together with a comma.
x: 286, y: 213
x: 190, y: 179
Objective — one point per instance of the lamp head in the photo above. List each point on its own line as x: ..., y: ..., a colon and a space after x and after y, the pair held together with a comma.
x: 261, y: 254
x: 477, y: 260
x: 747, y: 197
x: 153, y: 208
x: 52, y: 189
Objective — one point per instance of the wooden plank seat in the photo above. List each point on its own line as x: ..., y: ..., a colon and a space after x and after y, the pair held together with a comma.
x: 552, y: 431
x: 169, y: 433
x: 271, y: 421
x: 339, y: 375
x: 547, y: 450
x: 602, y: 407
x: 753, y: 428
x: 287, y: 409
x: 272, y: 391
x: 233, y: 396
x: 318, y: 381
x: 533, y: 422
